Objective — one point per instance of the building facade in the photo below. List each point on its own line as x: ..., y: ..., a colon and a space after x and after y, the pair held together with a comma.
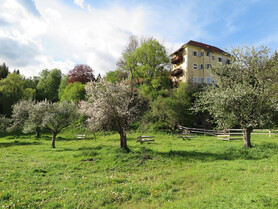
x: 192, y: 62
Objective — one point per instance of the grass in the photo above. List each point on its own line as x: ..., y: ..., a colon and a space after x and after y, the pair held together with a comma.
x: 168, y: 173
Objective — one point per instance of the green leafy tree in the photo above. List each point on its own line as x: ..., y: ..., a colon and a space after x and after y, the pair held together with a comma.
x: 4, y: 123
x: 12, y: 89
x: 116, y: 76
x: 151, y: 60
x: 128, y: 63
x: 4, y: 71
x: 49, y: 82
x: 147, y: 65
x: 167, y: 113
x: 59, y: 116
x: 62, y: 86
x: 243, y: 94
x: 74, y: 92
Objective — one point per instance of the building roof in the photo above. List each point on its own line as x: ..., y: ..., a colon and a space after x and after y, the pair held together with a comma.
x: 201, y: 45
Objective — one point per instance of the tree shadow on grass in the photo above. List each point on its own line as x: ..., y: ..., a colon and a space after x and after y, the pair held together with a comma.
x: 17, y: 143
x: 258, y: 152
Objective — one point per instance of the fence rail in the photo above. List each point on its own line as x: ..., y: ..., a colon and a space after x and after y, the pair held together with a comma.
x: 226, y: 131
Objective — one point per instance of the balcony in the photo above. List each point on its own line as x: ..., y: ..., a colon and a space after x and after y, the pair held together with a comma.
x: 177, y: 58
x: 177, y: 72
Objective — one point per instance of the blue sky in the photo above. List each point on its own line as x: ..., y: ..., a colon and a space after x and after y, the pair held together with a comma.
x: 39, y: 34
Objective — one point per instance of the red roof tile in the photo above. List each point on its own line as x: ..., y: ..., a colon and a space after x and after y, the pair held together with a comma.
x: 203, y: 46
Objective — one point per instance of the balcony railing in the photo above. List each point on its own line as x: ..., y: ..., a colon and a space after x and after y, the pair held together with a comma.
x: 177, y: 72
x: 177, y: 58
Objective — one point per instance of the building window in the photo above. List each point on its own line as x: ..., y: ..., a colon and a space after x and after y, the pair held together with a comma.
x: 201, y: 80
x: 219, y: 59
x: 195, y: 79
x: 201, y: 54
x: 208, y: 66
x: 195, y: 66
x: 195, y: 53
x: 228, y: 61
x: 208, y: 54
x: 201, y: 66
x: 208, y: 79
x: 212, y: 57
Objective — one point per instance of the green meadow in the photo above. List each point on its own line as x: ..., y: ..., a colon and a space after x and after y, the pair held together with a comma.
x: 168, y: 173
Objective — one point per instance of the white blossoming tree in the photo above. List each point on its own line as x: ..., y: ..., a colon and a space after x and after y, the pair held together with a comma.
x: 243, y: 95
x: 59, y: 116
x: 31, y: 116
x: 112, y: 106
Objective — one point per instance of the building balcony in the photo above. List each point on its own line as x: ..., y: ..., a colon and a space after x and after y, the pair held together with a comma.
x: 177, y: 72
x: 177, y: 58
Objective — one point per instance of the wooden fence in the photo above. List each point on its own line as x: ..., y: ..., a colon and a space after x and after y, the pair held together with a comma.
x: 226, y: 131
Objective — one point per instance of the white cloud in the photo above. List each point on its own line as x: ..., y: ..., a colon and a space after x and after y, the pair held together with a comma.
x: 62, y: 36
x: 79, y: 3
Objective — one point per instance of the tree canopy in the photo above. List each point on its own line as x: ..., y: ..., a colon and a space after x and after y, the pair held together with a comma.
x: 81, y: 73
x: 12, y: 89
x: 243, y: 93
x: 4, y: 71
x: 49, y: 82
x: 74, y: 92
x: 112, y: 106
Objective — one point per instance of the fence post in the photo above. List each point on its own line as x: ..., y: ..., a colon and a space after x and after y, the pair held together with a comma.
x: 269, y: 133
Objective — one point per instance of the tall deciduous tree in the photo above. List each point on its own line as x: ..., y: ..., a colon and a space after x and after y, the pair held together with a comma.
x: 243, y: 95
x: 4, y: 71
x: 112, y: 106
x: 81, y: 73
x: 48, y: 85
x: 62, y: 86
x: 128, y: 63
x: 12, y: 89
x: 147, y: 63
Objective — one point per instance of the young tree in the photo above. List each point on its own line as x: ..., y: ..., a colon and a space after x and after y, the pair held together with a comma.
x: 59, y: 116
x: 36, y: 117
x: 112, y: 106
x: 81, y: 73
x: 20, y: 114
x: 30, y: 116
x: 74, y: 92
x: 167, y: 113
x: 4, y: 123
x: 243, y: 94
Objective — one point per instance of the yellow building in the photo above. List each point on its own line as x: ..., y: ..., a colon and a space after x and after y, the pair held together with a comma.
x: 192, y: 61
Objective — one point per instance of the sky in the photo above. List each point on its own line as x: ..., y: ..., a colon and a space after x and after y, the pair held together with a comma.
x: 48, y: 34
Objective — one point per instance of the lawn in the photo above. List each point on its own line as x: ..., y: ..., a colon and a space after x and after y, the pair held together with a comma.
x: 169, y: 173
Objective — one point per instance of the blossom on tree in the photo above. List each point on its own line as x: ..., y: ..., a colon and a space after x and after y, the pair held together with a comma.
x: 112, y: 106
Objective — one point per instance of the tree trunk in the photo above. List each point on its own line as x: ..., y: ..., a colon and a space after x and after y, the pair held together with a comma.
x: 123, y: 139
x: 38, y: 132
x: 53, y: 139
x: 247, y: 136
